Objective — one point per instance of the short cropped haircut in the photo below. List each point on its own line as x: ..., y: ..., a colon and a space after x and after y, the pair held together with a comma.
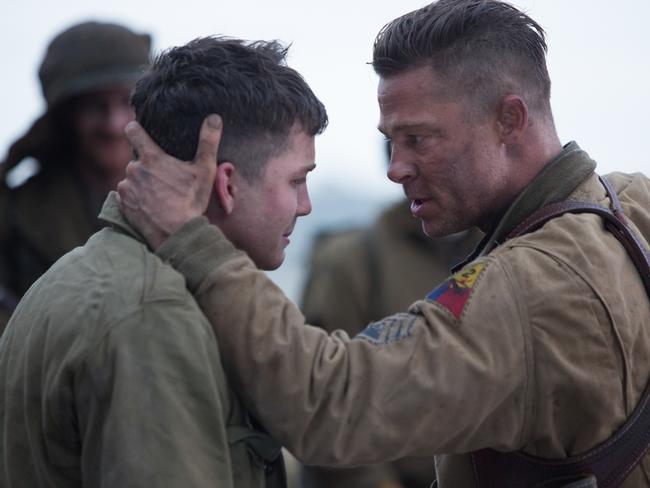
x: 258, y: 97
x: 483, y: 49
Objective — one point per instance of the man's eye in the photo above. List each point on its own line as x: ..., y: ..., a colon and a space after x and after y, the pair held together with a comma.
x: 415, y: 140
x: 299, y: 181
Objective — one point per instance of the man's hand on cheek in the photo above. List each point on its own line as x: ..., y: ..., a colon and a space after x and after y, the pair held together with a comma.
x: 161, y: 193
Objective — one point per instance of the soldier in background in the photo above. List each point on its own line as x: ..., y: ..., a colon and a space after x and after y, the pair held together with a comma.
x: 86, y: 77
x: 352, y: 282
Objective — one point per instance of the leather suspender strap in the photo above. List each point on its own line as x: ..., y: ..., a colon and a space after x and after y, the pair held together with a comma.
x: 613, y: 460
x: 615, y: 222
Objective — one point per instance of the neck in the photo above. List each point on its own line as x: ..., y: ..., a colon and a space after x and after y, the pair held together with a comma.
x: 527, y: 160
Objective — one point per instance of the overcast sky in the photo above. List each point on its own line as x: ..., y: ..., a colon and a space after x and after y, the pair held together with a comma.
x: 599, y: 56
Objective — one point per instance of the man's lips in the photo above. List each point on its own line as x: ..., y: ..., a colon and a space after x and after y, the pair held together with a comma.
x: 418, y: 205
x: 286, y: 236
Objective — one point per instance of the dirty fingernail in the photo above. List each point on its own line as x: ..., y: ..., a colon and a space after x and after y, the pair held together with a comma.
x: 214, y: 121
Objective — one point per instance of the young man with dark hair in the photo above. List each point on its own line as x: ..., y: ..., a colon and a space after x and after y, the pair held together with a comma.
x: 110, y: 372
x: 267, y: 111
x: 520, y: 364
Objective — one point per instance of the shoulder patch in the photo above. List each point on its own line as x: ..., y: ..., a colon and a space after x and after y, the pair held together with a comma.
x: 454, y: 292
x: 391, y: 329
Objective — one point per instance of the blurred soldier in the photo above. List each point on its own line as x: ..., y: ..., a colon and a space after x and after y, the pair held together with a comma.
x: 86, y: 77
x: 352, y: 282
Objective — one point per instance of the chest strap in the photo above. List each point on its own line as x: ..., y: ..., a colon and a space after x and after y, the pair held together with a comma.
x: 613, y: 460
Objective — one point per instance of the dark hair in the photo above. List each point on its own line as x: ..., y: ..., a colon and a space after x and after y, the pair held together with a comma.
x: 258, y: 97
x: 481, y: 48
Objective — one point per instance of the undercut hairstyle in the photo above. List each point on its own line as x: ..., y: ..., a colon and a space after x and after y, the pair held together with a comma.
x: 482, y: 49
x: 258, y: 97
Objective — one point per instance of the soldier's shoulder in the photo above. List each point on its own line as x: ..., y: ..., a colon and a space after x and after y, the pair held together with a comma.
x: 631, y: 188
x: 454, y: 294
x: 337, y: 246
x: 100, y: 284
x: 134, y: 271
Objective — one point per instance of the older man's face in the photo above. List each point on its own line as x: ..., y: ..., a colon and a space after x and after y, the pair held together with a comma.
x: 449, y: 163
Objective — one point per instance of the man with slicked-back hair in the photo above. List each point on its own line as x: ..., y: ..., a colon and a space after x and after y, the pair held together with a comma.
x: 526, y: 367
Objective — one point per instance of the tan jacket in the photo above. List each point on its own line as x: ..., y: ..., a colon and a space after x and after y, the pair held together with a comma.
x: 541, y: 344
x: 111, y: 377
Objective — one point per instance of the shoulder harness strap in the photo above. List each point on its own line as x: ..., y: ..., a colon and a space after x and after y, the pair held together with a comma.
x: 613, y: 460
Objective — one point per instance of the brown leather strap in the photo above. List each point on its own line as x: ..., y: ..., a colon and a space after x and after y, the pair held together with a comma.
x: 613, y: 460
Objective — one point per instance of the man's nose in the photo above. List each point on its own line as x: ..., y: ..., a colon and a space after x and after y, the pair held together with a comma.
x: 304, y: 202
x: 399, y: 167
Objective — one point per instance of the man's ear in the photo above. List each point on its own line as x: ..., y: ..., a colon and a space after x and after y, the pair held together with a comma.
x: 224, y: 187
x: 512, y: 118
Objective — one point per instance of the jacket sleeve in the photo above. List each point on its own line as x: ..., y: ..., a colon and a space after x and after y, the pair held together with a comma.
x: 421, y: 382
x: 150, y: 403
x: 336, y: 296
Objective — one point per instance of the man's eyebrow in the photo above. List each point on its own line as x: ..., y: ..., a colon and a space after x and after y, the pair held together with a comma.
x: 306, y: 169
x: 407, y: 127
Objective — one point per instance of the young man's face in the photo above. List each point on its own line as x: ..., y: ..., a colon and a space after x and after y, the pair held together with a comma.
x: 449, y: 161
x: 266, y: 210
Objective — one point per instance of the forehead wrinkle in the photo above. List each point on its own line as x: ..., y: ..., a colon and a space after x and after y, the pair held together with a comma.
x: 408, y: 126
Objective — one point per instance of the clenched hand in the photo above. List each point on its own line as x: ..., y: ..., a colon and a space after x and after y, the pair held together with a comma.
x: 161, y: 193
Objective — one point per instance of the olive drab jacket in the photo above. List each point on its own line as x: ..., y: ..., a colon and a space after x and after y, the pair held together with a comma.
x: 111, y: 376
x: 40, y: 221
x: 540, y: 344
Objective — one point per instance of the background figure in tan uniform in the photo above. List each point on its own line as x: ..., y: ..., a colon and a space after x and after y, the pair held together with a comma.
x: 86, y: 77
x: 359, y: 276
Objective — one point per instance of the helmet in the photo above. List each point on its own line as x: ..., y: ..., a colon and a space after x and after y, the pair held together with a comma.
x: 84, y: 57
x: 91, y: 55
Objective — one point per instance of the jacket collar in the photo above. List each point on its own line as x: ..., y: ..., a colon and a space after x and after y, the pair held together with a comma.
x: 111, y: 214
x: 555, y: 183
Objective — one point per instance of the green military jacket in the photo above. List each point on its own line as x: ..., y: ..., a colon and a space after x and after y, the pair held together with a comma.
x: 540, y: 344
x: 40, y: 221
x: 111, y: 376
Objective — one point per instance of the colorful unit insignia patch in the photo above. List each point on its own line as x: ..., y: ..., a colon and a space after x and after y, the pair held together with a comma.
x: 455, y: 291
x: 389, y: 330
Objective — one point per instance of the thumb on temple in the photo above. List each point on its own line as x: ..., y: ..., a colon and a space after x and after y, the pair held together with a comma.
x: 209, y: 138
